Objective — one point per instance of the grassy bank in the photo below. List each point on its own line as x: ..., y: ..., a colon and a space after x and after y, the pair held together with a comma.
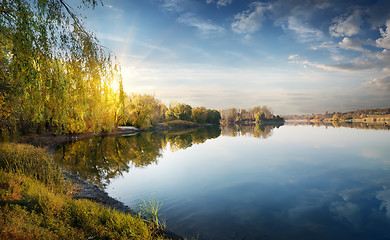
x: 36, y: 203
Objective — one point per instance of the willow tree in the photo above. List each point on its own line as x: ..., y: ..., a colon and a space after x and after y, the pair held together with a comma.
x: 54, y: 72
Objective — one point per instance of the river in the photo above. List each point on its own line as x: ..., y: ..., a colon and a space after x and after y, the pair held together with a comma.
x: 248, y: 182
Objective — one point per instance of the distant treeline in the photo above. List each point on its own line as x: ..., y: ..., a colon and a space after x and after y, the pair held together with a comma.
x: 347, y: 124
x: 366, y: 115
x: 143, y: 110
x: 259, y: 114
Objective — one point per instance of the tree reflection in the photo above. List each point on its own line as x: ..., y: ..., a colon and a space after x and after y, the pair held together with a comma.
x: 255, y: 130
x: 100, y: 159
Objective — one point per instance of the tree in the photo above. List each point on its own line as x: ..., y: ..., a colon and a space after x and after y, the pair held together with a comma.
x: 179, y: 111
x: 199, y: 115
x: 213, y: 116
x: 336, y: 116
x: 260, y: 117
x: 143, y: 110
x: 54, y: 73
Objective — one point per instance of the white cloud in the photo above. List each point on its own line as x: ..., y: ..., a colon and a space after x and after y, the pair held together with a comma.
x: 327, y: 44
x: 384, y: 196
x: 223, y: 3
x: 206, y: 28
x: 338, y: 58
x: 357, y: 65
x: 304, y: 32
x: 384, y: 57
x: 379, y: 84
x: 220, y: 3
x: 292, y: 57
x: 384, y: 41
x: 173, y: 5
x: 347, y: 27
x: 351, y: 43
x: 249, y: 21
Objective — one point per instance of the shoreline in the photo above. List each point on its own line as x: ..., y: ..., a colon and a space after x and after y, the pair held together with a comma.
x: 51, y: 140
x: 88, y: 190
x: 96, y: 194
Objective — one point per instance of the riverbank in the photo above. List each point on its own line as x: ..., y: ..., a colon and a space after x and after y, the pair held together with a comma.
x: 24, y: 167
x: 91, y: 191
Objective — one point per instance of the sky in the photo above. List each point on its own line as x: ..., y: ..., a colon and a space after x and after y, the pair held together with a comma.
x: 295, y: 56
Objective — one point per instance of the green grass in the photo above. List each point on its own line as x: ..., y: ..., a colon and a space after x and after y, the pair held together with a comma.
x: 150, y: 210
x: 36, y: 203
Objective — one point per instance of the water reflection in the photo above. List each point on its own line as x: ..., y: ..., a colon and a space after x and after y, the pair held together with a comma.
x: 301, y: 183
x: 253, y: 130
x: 358, y: 125
x: 100, y: 159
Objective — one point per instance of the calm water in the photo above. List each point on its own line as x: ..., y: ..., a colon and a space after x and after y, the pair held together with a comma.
x: 291, y: 182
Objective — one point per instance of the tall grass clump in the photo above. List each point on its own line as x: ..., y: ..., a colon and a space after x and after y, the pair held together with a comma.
x: 150, y: 210
x: 30, y: 161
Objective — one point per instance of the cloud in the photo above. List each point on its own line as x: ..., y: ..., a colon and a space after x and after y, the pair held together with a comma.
x: 351, y: 43
x: 384, y: 41
x: 351, y: 194
x: 292, y: 57
x: 347, y: 27
x: 223, y: 3
x: 304, y: 32
x: 206, y: 28
x: 384, y: 57
x: 113, y: 8
x: 220, y: 3
x: 345, y: 67
x: 346, y: 211
x: 327, y: 44
x: 249, y: 21
x: 356, y: 65
x: 338, y: 58
x: 379, y: 84
x: 281, y: 9
x: 174, y: 5
x: 384, y: 196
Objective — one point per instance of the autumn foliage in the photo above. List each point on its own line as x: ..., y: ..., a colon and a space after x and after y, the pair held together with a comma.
x: 54, y: 74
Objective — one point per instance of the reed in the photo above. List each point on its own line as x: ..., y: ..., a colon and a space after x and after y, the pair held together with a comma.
x: 150, y: 210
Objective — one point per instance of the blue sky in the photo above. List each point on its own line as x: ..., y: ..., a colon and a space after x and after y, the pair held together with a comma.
x: 296, y: 56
